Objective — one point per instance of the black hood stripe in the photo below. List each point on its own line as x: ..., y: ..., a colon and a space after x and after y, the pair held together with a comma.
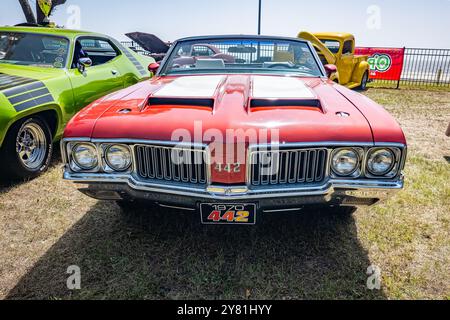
x: 16, y: 83
x: 34, y: 103
x: 22, y: 89
x: 133, y: 60
x: 8, y: 78
x: 29, y: 95
x: 136, y: 63
x: 8, y: 81
x: 24, y: 93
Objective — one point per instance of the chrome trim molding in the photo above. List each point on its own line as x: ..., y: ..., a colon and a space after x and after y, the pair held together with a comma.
x: 174, y: 207
x: 282, y: 210
x: 330, y: 185
x: 191, y: 191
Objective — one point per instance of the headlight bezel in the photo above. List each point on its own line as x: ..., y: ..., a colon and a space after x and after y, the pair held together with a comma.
x: 75, y: 164
x: 393, y: 171
x: 398, y: 151
x: 68, y: 147
x: 356, y: 172
x: 107, y: 167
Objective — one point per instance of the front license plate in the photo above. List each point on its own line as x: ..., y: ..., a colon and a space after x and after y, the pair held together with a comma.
x: 213, y: 213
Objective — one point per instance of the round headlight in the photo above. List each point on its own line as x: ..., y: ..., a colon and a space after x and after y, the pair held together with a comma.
x: 380, y: 162
x: 345, y: 162
x: 118, y: 157
x: 85, y: 156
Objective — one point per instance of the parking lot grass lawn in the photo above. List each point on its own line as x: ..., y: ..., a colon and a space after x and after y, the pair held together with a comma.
x: 47, y: 226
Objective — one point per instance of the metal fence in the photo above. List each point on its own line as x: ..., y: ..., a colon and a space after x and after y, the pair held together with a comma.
x: 261, y: 52
x: 423, y: 68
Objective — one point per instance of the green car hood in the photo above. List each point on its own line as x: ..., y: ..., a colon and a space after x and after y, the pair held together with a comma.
x: 35, y: 73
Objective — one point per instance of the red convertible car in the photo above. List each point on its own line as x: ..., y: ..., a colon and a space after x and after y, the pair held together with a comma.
x: 234, y: 139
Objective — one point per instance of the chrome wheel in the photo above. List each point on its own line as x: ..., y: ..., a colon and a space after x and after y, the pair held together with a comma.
x: 31, y: 146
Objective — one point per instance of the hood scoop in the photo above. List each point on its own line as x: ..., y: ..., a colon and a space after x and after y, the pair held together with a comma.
x: 269, y: 91
x: 193, y: 102
x: 258, y: 102
x: 194, y: 91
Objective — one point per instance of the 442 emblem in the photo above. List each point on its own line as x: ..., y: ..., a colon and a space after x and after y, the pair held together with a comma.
x: 380, y: 62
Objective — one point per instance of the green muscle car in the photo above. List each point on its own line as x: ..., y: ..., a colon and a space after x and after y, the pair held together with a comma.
x: 46, y: 76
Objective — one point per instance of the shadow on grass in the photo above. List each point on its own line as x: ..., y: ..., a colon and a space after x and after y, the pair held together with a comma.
x: 55, y: 161
x: 447, y: 158
x: 168, y: 255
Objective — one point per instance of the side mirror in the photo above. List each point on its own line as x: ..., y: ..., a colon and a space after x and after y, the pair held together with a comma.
x: 330, y: 69
x: 153, y: 67
x: 84, y: 63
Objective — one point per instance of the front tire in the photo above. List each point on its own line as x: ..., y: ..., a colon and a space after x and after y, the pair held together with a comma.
x: 364, y: 81
x: 27, y: 149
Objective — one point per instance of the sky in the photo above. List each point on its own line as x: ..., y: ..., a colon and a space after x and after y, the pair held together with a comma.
x: 389, y: 23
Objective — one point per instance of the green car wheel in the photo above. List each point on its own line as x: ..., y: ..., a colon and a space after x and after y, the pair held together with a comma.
x: 27, y: 150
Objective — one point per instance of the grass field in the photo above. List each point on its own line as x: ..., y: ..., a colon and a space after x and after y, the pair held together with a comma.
x: 46, y: 226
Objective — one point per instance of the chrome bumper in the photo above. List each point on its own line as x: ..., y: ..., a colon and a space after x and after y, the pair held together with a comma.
x: 333, y: 192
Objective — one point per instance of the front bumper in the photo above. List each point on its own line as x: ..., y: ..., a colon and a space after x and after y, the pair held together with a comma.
x: 331, y: 193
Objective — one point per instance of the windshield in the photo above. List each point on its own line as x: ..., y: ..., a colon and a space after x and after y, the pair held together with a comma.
x: 33, y: 49
x: 242, y: 56
x: 332, y: 45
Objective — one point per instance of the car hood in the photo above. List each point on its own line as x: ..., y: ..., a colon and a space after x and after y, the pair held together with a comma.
x: 149, y: 42
x: 20, y: 79
x: 296, y: 109
x: 29, y: 72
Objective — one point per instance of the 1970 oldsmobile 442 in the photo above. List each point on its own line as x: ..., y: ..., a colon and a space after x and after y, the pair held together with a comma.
x: 46, y: 76
x: 267, y: 133
x: 339, y: 49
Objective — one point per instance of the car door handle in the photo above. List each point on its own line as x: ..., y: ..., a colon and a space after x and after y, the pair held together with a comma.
x: 114, y: 72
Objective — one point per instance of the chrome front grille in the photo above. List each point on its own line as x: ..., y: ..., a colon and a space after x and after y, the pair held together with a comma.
x: 182, y: 165
x: 280, y: 167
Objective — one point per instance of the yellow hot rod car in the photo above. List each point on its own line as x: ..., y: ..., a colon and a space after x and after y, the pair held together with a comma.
x: 339, y: 49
